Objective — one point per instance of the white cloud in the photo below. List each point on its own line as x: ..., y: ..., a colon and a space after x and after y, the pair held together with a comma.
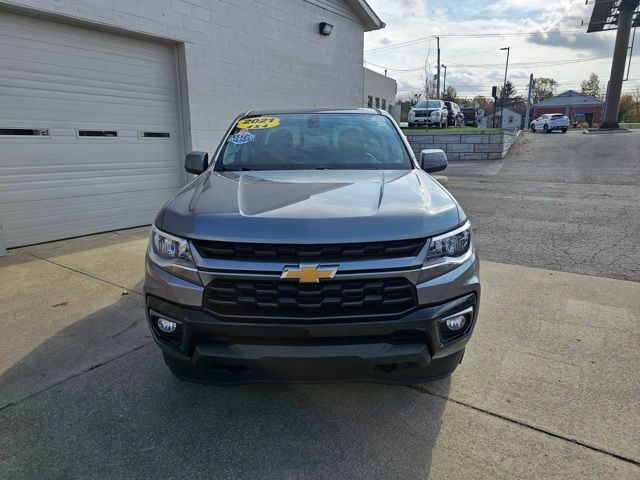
x: 474, y: 64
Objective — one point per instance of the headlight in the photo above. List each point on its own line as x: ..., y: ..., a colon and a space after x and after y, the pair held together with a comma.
x: 447, y: 252
x: 435, y: 114
x: 412, y: 114
x: 173, y: 255
x: 450, y: 244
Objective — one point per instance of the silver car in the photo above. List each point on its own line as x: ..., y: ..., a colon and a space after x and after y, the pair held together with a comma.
x: 313, y: 246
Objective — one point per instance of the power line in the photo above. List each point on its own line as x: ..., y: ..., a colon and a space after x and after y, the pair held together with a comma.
x: 492, y: 65
x: 471, y: 35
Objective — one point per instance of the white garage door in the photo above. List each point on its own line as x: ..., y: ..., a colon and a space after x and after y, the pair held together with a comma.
x: 90, y: 135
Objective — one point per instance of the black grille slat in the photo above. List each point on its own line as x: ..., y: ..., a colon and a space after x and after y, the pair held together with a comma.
x: 318, y: 253
x: 328, y: 299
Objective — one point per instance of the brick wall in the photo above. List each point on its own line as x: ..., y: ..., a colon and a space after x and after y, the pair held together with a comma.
x: 468, y: 145
x: 240, y: 54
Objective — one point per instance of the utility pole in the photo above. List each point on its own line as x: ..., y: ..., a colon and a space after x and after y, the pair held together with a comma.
x: 504, y: 88
x: 438, y: 81
x: 625, y: 20
x: 526, y: 115
x: 444, y: 85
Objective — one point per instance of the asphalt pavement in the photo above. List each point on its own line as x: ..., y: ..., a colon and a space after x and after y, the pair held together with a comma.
x: 568, y: 202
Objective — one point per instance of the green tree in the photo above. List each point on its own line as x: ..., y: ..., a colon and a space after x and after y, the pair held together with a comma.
x: 483, y: 102
x: 591, y: 86
x: 451, y: 94
x: 543, y: 89
x: 509, y: 95
x: 629, y: 111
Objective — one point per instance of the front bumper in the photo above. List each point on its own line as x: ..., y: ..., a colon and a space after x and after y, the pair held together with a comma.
x: 402, y: 350
x: 425, y: 120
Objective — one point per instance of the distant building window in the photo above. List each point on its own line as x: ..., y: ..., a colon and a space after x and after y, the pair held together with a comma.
x: 384, y: 103
x: 97, y: 133
x: 24, y: 132
x: 377, y: 102
x: 370, y: 101
x: 154, y: 134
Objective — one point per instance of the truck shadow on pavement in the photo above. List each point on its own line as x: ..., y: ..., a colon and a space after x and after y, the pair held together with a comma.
x: 96, y: 401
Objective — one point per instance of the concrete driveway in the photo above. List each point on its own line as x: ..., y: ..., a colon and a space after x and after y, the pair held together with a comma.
x: 549, y: 388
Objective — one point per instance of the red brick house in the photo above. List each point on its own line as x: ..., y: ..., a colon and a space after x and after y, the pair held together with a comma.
x: 575, y: 105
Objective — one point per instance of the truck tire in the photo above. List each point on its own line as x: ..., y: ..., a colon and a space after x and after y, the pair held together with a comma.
x: 545, y: 129
x: 564, y: 130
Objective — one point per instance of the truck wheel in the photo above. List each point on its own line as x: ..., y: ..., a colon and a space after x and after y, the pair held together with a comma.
x: 533, y: 129
x: 545, y: 129
x: 564, y: 130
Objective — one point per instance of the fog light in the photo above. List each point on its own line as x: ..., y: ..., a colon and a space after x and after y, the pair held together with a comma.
x: 456, y: 323
x: 167, y: 326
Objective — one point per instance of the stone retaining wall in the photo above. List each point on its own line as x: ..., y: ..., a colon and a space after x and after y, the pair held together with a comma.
x: 467, y: 145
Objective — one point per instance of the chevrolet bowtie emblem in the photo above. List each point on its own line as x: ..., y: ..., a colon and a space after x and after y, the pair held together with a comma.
x: 309, y: 273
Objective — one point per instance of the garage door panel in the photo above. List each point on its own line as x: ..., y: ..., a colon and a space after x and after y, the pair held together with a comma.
x: 83, y: 37
x: 67, y: 188
x: 107, y: 207
x: 22, y: 192
x: 86, y: 227
x: 59, y: 206
x: 95, y: 153
x: 26, y: 86
x: 74, y: 53
x: 64, y: 78
x: 108, y: 104
x: 18, y: 68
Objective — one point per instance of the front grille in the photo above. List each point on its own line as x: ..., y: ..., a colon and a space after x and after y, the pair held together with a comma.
x: 386, y: 297
x: 421, y: 114
x: 337, y: 252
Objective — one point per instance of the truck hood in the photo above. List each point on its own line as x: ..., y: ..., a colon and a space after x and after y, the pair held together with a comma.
x: 311, y: 206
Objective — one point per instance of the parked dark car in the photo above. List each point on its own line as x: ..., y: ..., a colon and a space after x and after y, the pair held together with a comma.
x: 455, y: 118
x: 470, y: 116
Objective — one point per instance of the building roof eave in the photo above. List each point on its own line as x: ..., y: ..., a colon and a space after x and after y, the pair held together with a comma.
x: 369, y: 18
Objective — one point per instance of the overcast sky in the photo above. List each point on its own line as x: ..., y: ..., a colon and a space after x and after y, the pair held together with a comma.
x: 474, y: 64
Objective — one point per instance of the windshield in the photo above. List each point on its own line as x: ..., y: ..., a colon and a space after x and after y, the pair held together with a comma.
x: 428, y: 104
x: 314, y: 141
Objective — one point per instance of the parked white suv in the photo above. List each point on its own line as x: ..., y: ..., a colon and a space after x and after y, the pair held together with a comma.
x: 550, y: 122
x: 429, y: 112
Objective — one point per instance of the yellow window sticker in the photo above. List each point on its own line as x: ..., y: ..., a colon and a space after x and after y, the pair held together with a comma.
x: 255, y: 123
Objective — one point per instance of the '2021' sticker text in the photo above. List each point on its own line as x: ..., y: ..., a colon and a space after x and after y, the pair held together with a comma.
x: 256, y: 123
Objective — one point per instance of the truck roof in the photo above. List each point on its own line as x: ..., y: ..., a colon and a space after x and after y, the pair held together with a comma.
x: 282, y: 111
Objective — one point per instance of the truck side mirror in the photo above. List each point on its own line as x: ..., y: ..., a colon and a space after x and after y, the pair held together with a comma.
x: 196, y: 162
x: 433, y: 160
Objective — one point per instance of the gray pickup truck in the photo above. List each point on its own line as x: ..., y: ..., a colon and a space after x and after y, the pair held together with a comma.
x: 313, y: 246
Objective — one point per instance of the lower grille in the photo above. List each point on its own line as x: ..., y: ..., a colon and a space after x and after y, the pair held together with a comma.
x: 386, y: 297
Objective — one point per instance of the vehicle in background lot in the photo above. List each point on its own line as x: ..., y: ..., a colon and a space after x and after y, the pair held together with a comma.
x: 550, y: 122
x: 455, y: 118
x: 429, y: 112
x: 314, y: 246
x: 470, y: 116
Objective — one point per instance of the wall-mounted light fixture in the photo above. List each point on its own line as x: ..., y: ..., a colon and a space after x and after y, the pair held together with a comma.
x: 325, y: 28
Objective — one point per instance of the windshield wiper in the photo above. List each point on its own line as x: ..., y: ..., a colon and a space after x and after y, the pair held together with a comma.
x: 239, y: 169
